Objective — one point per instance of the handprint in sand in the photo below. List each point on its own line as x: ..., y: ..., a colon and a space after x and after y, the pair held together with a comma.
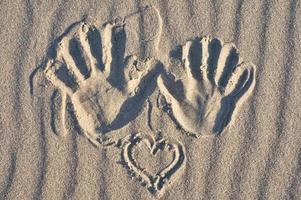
x: 107, y: 89
x: 215, y: 82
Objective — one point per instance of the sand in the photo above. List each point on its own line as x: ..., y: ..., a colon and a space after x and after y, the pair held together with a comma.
x: 150, y: 100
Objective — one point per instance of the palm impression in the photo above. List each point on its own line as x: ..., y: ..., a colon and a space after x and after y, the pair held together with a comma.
x: 215, y: 82
x: 107, y: 89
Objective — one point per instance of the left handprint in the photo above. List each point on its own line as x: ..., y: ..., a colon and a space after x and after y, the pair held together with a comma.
x: 106, y: 88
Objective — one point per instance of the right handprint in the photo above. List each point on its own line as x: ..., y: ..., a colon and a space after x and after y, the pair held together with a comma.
x: 216, y: 82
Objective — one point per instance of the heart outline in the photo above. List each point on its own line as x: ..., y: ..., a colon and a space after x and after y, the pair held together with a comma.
x: 154, y: 183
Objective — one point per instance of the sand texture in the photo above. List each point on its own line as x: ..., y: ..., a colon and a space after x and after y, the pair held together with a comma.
x: 150, y: 100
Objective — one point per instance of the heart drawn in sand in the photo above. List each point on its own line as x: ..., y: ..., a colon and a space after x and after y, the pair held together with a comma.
x: 140, y: 153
